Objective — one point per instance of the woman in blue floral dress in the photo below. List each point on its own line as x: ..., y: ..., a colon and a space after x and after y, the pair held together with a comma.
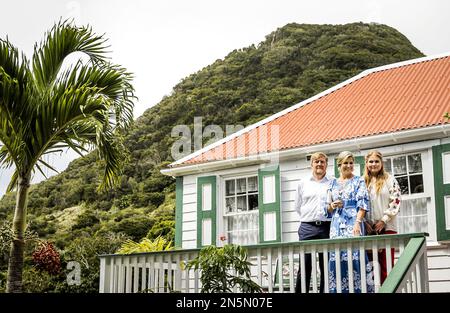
x: 348, y: 202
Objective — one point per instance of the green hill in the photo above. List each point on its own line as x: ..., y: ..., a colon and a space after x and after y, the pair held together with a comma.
x: 293, y: 63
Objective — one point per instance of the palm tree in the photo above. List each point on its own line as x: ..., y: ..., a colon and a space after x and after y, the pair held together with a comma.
x: 46, y: 107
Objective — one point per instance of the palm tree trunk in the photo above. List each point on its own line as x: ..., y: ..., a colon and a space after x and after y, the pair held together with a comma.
x: 16, y: 253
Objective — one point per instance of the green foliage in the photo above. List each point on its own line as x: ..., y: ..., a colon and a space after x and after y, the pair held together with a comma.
x: 6, y: 235
x: 86, y: 220
x: 293, y: 63
x: 217, y: 266
x: 145, y: 245
x: 37, y: 281
x: 85, y: 250
x: 163, y: 228
x: 136, y: 227
x: 447, y: 116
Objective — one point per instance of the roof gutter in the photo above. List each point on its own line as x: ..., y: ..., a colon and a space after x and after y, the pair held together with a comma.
x: 405, y: 136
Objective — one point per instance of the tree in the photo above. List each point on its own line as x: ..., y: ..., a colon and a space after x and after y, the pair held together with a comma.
x: 46, y: 107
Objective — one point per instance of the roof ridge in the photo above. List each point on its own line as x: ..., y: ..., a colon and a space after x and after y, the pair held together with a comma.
x: 296, y: 106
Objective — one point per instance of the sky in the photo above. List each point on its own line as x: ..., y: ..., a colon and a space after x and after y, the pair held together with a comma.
x: 162, y: 42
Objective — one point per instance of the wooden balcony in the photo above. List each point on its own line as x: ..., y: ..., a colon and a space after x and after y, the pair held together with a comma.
x: 275, y: 266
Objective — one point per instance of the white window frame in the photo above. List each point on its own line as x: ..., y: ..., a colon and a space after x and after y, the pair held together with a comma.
x: 224, y: 227
x: 428, y: 179
x: 410, y: 195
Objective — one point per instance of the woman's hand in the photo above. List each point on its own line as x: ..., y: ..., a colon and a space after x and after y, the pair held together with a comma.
x: 336, y: 204
x: 369, y: 229
x: 357, y: 229
x: 379, y: 226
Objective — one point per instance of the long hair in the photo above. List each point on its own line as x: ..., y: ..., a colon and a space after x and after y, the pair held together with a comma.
x: 381, y: 176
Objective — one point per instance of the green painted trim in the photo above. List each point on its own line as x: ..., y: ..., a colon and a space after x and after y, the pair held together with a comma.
x: 201, y: 215
x: 179, y: 212
x: 440, y: 191
x: 402, y: 265
x: 271, y: 207
x: 358, y: 160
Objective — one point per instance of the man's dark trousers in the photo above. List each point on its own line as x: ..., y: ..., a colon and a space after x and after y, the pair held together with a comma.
x: 310, y: 231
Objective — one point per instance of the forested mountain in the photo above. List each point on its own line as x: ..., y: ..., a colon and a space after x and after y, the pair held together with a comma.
x: 293, y: 63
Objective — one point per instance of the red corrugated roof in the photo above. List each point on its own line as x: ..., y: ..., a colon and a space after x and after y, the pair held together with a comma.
x: 383, y: 100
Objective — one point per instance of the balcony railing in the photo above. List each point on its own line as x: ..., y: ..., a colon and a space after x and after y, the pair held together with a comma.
x: 274, y: 266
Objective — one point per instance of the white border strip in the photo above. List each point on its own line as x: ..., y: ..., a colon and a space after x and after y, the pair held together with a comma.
x: 304, y: 102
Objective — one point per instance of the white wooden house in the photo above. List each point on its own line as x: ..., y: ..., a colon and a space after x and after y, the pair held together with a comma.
x: 241, y: 189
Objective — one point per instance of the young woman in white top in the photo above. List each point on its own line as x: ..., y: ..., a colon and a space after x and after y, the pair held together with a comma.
x: 384, y: 194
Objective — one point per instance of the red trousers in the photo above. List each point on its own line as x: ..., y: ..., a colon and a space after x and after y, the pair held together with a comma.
x: 382, y: 259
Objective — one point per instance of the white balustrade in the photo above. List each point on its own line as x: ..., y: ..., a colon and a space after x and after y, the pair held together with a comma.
x: 274, y: 266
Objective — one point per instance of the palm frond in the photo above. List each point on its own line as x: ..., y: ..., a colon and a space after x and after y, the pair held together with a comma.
x: 85, y: 106
x: 110, y: 81
x: 47, y: 165
x: 15, y: 80
x: 63, y: 39
x: 13, y: 182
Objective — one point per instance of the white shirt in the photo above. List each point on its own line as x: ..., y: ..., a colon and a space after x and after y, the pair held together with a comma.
x: 385, y: 205
x: 310, y: 197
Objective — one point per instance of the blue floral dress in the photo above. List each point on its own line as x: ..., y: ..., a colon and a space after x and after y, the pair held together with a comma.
x: 355, y: 196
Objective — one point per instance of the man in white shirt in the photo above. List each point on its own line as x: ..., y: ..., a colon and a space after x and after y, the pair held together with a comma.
x: 311, y: 196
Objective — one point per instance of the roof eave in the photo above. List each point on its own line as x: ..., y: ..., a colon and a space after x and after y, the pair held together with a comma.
x: 367, y: 142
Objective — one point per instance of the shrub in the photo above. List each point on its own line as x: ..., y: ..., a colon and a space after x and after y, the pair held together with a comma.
x: 85, y: 250
x: 135, y: 227
x: 163, y: 228
x: 46, y: 258
x: 145, y: 245
x: 216, y: 265
x: 87, y: 219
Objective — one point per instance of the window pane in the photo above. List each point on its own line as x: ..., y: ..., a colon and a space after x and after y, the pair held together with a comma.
x: 230, y: 205
x: 241, y: 186
x: 403, y: 182
x: 229, y: 187
x: 252, y: 202
x: 414, y: 164
x: 387, y: 165
x: 253, y: 184
x: 241, y: 203
x: 412, y: 216
x: 243, y: 229
x: 416, y: 183
x: 400, y: 165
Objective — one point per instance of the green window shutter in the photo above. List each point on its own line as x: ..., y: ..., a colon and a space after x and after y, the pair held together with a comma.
x: 206, y: 210
x: 179, y: 213
x: 269, y: 203
x: 441, y: 160
x: 358, y: 160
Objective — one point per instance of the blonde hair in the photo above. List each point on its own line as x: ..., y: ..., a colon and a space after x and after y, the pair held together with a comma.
x: 317, y: 155
x: 381, y: 176
x: 343, y: 156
